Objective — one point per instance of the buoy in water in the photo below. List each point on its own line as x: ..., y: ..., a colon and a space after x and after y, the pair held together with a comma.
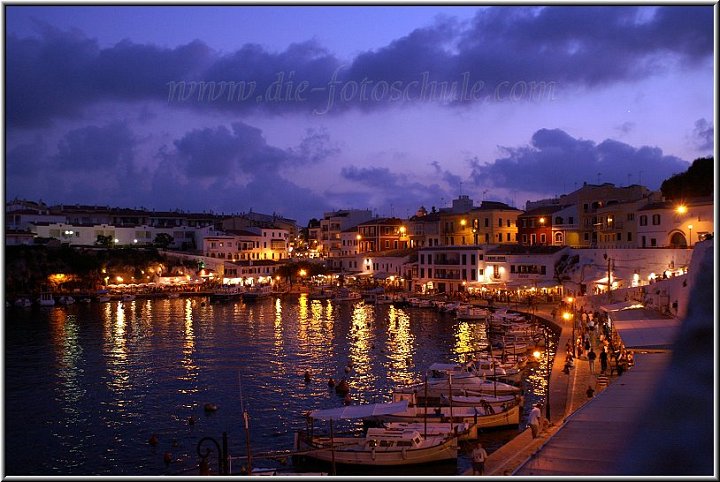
x: 331, y: 382
x: 307, y: 376
x: 347, y: 369
x: 210, y: 407
x: 153, y: 440
x: 343, y: 387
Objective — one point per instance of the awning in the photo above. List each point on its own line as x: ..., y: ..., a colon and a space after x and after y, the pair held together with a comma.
x: 657, y: 333
x: 625, y: 305
x: 359, y: 411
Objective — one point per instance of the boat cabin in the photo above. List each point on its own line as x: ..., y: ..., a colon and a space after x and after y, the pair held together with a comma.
x: 387, y: 438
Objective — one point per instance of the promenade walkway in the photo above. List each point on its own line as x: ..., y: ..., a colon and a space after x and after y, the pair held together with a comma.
x: 567, y: 395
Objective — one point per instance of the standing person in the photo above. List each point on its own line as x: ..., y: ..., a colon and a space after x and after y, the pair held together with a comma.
x: 603, y: 361
x: 478, y: 459
x: 591, y: 360
x: 534, y: 420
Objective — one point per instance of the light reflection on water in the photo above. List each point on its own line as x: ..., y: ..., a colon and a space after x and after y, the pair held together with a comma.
x: 108, y: 376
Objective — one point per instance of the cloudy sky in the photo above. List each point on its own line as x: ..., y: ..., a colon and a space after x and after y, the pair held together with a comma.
x: 301, y: 110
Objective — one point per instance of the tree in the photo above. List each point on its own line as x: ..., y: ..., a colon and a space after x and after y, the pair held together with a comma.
x: 696, y: 181
x: 105, y: 241
x: 163, y: 240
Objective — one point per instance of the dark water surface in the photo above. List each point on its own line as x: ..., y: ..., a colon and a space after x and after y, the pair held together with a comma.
x: 86, y: 386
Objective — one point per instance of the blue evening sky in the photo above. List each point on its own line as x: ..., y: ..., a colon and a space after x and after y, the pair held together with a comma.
x: 380, y: 107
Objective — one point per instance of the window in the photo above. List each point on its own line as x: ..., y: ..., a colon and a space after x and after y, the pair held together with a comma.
x: 512, y: 268
x: 543, y: 269
x: 522, y: 223
x: 653, y: 242
x: 542, y: 238
x: 499, y: 237
x: 472, y: 259
x: 629, y: 236
x: 422, y: 272
x: 558, y: 238
x: 507, y: 237
x: 586, y: 237
x: 631, y: 217
x: 643, y: 220
x: 487, y: 238
x: 655, y: 219
x: 558, y: 220
x: 499, y: 222
x: 619, y: 236
x: 487, y: 222
x: 524, y: 238
x: 429, y: 272
x: 585, y: 207
x: 422, y: 259
x: 464, y: 259
x: 571, y: 220
x: 533, y: 238
x: 508, y: 223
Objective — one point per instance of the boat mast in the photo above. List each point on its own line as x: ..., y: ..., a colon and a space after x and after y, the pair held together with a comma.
x: 246, y: 419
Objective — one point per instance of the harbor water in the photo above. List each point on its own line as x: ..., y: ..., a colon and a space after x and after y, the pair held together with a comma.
x: 88, y: 385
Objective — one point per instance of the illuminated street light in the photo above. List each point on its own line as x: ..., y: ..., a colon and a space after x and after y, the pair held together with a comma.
x: 690, y: 226
x: 681, y: 209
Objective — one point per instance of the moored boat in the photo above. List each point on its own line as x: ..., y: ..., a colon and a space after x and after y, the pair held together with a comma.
x: 378, y: 447
x: 46, y: 299
x: 257, y: 292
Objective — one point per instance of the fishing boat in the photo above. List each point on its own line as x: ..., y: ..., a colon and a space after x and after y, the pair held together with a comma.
x: 257, y: 292
x: 23, y: 303
x: 66, y: 300
x: 128, y: 297
x: 483, y: 417
x: 419, y: 399
x: 462, y: 430
x: 469, y: 312
x: 46, y: 299
x: 322, y: 293
x: 226, y: 293
x: 344, y: 294
x: 378, y: 447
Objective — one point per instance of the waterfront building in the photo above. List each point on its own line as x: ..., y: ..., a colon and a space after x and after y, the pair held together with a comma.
x: 565, y: 231
x: 617, y: 222
x: 424, y: 228
x: 383, y: 234
x: 536, y: 227
x: 524, y: 267
x: 258, y: 220
x: 448, y: 269
x: 677, y: 224
x: 250, y: 244
x: 335, y: 222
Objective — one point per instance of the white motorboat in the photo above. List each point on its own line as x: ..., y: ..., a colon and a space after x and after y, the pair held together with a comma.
x: 469, y: 312
x: 46, y: 299
x: 483, y: 417
x: 344, y: 294
x: 257, y: 292
x: 378, y: 447
x: 462, y: 430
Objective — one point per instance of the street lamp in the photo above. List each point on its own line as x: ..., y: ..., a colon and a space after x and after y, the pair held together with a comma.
x: 567, y: 317
x: 690, y: 226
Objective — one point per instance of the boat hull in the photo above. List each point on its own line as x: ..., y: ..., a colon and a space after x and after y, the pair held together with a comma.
x: 350, y: 452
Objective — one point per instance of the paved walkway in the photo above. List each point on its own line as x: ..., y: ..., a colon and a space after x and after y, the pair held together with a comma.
x: 567, y: 394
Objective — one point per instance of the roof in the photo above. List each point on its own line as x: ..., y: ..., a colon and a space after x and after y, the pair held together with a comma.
x: 359, y: 411
x: 643, y: 328
x: 522, y: 249
x: 542, y: 210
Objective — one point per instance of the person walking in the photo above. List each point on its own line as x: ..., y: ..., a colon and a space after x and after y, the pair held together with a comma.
x: 534, y: 420
x: 591, y: 360
x: 603, y: 361
x: 479, y: 455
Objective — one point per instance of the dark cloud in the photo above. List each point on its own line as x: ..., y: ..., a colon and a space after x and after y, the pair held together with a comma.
x: 59, y: 73
x: 243, y: 151
x: 555, y: 161
x: 95, y: 148
x: 703, y: 135
x: 453, y: 180
x: 626, y: 127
